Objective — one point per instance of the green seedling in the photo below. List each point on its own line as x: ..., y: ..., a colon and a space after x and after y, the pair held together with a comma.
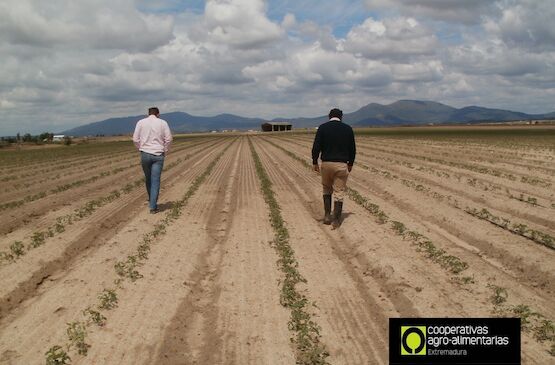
x: 6, y: 257
x: 95, y: 317
x: 17, y: 249
x: 499, y: 296
x: 56, y: 355
x: 467, y: 280
x: 76, y: 333
x: 108, y: 299
x: 525, y: 314
x: 545, y: 331
x: 398, y: 227
x: 37, y: 239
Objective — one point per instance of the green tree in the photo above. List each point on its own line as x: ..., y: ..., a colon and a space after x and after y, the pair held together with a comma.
x: 46, y: 137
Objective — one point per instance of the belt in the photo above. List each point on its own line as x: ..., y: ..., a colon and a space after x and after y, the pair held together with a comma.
x: 152, y: 154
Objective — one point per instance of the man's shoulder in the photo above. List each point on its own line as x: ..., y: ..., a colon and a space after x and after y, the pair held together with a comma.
x: 334, y: 124
x: 345, y: 126
x: 325, y: 125
x: 162, y: 121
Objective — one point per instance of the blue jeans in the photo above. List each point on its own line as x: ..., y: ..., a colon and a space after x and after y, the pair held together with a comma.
x: 152, y: 167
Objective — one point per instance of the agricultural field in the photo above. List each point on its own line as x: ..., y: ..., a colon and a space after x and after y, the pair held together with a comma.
x: 238, y: 268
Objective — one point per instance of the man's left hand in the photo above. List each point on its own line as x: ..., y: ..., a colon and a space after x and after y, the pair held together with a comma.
x: 316, y: 168
x: 349, y: 167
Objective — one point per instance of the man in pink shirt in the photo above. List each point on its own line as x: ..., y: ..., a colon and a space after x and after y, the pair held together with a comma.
x: 152, y: 137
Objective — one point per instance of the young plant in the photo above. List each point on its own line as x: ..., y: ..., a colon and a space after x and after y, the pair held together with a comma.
x: 545, y: 331
x: 6, y: 257
x: 128, y: 268
x: 525, y: 314
x: 108, y: 299
x: 56, y: 355
x: 37, y: 239
x: 95, y: 317
x: 76, y: 333
x: 398, y: 227
x: 499, y: 296
x: 467, y: 280
x: 17, y: 249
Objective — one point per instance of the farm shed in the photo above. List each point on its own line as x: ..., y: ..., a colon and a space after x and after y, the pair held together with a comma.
x: 276, y: 126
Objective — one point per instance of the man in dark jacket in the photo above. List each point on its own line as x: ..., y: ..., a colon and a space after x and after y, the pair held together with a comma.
x: 335, y: 141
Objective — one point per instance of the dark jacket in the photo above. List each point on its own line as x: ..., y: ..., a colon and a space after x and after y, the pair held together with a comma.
x: 336, y: 141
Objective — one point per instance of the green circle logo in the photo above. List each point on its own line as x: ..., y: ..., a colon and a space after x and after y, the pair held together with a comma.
x: 413, y: 340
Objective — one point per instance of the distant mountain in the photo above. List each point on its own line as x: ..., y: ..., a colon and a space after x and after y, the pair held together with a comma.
x: 179, y: 122
x: 474, y: 113
x: 415, y: 112
x: 402, y: 112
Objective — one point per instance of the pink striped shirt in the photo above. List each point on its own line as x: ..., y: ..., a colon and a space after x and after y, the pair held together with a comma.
x: 152, y: 135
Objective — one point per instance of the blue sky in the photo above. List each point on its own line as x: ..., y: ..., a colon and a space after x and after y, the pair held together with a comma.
x: 340, y: 14
x: 68, y: 63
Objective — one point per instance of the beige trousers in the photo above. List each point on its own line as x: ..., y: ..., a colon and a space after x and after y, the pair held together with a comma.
x: 334, y: 179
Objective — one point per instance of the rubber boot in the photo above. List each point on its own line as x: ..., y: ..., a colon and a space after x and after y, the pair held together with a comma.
x: 327, y: 209
x: 337, y: 208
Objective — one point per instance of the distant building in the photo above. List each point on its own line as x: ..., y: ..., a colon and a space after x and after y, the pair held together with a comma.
x: 58, y: 138
x: 276, y: 126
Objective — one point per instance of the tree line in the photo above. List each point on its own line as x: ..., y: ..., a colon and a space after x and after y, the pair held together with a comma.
x: 42, y: 138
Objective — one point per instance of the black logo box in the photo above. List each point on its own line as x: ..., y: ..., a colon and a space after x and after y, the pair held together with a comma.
x: 477, y: 355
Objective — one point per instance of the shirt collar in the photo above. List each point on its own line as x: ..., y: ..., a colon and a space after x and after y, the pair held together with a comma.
x: 335, y: 119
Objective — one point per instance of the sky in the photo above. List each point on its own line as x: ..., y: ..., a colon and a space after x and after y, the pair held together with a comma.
x: 66, y: 63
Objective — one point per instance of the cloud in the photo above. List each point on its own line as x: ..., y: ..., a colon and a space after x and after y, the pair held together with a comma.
x: 390, y: 38
x: 316, y: 67
x: 102, y: 24
x: 526, y: 24
x: 492, y: 57
x: 418, y: 71
x: 311, y: 31
x: 239, y: 23
x: 456, y: 11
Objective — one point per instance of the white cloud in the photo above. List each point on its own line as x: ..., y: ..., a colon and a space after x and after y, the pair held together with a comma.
x: 101, y: 24
x: 310, y: 31
x: 457, y: 11
x: 418, y: 71
x: 390, y: 38
x: 526, y: 23
x: 493, y: 57
x: 239, y: 23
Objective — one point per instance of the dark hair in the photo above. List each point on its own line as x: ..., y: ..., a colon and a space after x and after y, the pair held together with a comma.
x: 153, y: 111
x: 336, y: 113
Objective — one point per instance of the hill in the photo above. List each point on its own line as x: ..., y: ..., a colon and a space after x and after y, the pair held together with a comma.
x: 415, y: 112
x: 179, y: 122
x: 402, y: 112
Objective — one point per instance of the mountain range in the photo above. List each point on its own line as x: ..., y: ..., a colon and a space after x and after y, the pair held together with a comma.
x: 402, y: 112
